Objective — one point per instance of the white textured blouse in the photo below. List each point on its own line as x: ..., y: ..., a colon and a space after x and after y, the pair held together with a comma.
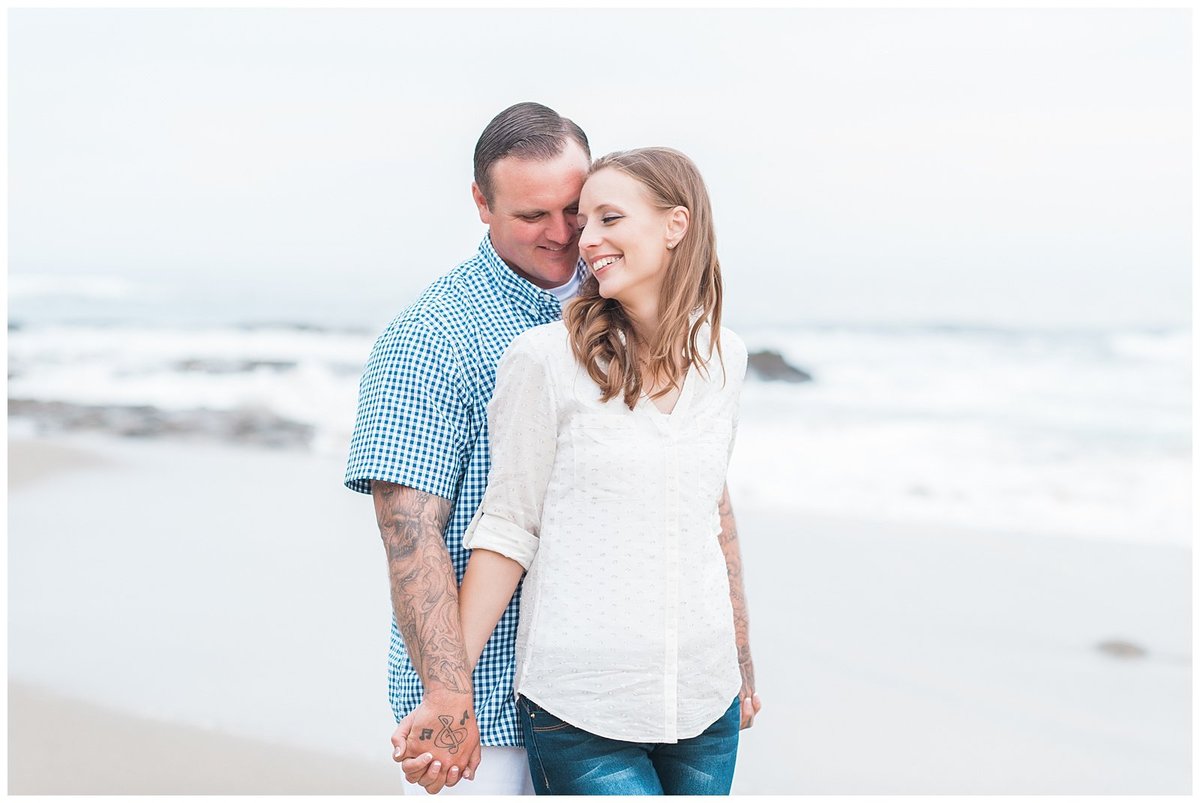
x: 626, y: 627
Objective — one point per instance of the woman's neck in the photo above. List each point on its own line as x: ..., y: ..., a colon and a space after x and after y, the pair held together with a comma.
x: 644, y: 317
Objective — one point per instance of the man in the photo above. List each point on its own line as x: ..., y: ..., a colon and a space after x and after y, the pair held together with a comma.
x: 420, y: 444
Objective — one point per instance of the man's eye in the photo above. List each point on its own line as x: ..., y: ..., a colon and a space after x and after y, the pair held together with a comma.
x: 532, y: 218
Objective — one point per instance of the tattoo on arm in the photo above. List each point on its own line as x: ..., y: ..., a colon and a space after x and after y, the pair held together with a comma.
x: 737, y: 593
x: 424, y: 589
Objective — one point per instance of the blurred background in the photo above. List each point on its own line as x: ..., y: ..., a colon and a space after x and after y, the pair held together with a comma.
x: 957, y: 242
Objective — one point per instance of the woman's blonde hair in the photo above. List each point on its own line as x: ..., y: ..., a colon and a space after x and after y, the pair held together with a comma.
x: 601, y: 333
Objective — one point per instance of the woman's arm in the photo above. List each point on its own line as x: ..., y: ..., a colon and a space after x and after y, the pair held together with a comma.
x: 486, y: 590
x: 504, y: 533
x: 751, y: 705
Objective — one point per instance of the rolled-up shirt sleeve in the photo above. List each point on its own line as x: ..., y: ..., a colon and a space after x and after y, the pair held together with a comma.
x: 523, y: 432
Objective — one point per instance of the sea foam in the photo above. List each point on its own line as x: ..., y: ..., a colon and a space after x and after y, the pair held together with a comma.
x: 1071, y: 433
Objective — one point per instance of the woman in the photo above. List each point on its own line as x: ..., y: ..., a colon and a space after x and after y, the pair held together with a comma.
x: 610, y: 436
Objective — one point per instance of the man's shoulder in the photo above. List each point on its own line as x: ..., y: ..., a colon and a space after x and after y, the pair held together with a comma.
x: 449, y: 307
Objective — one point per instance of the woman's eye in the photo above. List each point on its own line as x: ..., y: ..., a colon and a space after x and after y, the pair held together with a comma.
x: 609, y: 219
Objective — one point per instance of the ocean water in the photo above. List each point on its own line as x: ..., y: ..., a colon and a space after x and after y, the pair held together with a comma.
x: 1078, y: 433
x: 1071, y: 433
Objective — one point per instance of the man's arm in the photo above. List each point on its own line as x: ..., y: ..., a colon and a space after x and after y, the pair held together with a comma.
x: 425, y: 604
x: 728, y: 537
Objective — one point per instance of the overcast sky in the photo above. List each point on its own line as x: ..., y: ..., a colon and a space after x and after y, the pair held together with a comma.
x: 974, y: 166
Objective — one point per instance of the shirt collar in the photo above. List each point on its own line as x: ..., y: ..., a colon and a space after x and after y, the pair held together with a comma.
x: 522, y: 293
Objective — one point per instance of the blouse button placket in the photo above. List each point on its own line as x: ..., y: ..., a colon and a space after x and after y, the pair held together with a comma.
x: 671, y: 663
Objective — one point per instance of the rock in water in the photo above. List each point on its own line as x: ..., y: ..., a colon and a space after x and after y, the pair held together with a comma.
x: 770, y: 366
x: 1121, y: 649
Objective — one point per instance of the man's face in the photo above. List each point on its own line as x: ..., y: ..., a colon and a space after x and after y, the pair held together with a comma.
x: 532, y: 214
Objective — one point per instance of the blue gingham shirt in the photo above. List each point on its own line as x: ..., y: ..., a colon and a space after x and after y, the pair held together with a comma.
x: 422, y: 422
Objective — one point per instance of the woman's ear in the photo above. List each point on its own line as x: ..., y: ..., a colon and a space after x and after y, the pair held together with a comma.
x: 677, y: 225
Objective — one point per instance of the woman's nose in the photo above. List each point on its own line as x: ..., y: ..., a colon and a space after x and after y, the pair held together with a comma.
x: 588, y: 237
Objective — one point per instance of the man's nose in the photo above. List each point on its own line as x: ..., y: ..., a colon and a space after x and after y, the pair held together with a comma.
x: 562, y: 229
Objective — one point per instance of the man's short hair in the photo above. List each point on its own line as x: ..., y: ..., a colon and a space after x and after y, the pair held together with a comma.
x: 526, y: 131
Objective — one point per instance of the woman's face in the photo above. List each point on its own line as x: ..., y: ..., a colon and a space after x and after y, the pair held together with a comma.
x: 624, y: 237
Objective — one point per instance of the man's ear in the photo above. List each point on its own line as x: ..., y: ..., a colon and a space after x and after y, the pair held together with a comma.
x: 485, y: 214
x: 677, y: 225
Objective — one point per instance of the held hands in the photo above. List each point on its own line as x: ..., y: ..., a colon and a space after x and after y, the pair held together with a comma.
x: 438, y: 743
x: 751, y: 704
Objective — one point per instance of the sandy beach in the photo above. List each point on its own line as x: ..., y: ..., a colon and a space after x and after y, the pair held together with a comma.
x: 65, y: 746
x: 199, y: 606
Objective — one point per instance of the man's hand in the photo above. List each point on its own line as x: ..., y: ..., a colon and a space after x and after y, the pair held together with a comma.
x: 420, y: 769
x: 751, y: 705
x: 438, y: 743
x: 414, y: 768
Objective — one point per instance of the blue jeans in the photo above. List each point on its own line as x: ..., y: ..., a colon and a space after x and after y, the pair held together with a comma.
x: 565, y: 760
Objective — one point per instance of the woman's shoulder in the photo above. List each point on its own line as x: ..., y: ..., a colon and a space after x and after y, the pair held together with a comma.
x: 733, y: 353
x: 543, y: 342
x: 732, y: 343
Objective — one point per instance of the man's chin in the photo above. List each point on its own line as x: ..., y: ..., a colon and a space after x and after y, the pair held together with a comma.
x: 566, y: 258
x: 560, y: 269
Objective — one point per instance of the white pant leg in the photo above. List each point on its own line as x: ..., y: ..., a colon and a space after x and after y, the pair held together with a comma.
x: 501, y: 771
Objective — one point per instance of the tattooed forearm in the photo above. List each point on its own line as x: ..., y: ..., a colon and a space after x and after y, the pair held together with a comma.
x: 424, y: 590
x: 737, y: 592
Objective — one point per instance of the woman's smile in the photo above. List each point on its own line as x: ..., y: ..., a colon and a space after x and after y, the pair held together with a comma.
x: 602, y: 263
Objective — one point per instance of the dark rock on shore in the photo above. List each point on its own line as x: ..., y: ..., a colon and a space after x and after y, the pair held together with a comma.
x: 1119, y: 648
x: 235, y: 426
x: 769, y: 366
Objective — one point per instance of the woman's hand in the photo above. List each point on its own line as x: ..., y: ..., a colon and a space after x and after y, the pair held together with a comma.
x: 751, y: 704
